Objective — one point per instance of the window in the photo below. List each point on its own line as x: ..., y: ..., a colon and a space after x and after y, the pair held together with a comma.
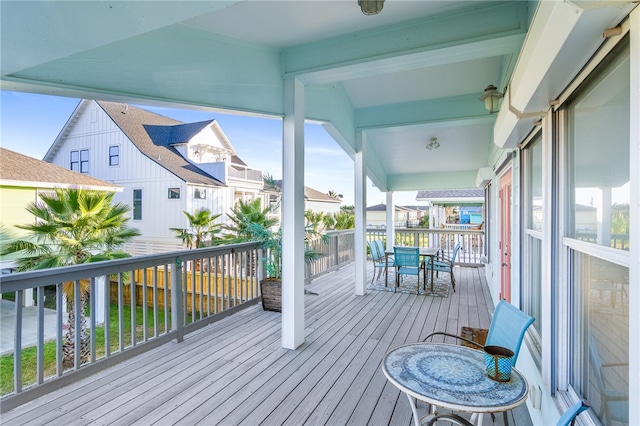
x: 200, y: 194
x: 74, y: 161
x: 137, y: 204
x: 599, y: 143
x: 174, y: 193
x: 532, y: 238
x: 114, y: 155
x: 84, y: 161
x: 597, y: 234
x: 600, y: 313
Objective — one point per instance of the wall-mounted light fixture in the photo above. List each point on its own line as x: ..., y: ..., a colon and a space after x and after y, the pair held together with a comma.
x: 371, y: 7
x: 491, y: 98
x: 433, y: 144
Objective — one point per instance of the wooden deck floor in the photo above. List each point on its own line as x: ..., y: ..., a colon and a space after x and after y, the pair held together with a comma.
x: 235, y: 372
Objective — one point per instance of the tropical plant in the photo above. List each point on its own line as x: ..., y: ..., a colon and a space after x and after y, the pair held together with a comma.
x: 243, y: 215
x: 202, y: 228
x: 72, y: 226
x: 344, y: 220
x: 272, y: 244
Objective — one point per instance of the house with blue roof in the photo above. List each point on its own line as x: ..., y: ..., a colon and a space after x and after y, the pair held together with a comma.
x: 163, y: 165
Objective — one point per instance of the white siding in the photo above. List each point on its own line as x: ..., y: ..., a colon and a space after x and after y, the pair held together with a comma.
x: 94, y: 130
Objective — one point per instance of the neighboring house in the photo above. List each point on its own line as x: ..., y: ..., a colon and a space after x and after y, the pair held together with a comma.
x: 405, y: 216
x: 460, y: 208
x: 316, y: 201
x: 22, y: 178
x: 163, y: 165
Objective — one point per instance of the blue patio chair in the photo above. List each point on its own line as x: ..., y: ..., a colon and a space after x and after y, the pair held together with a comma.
x: 445, y: 264
x: 407, y: 260
x: 379, y: 259
x: 507, y: 329
x: 569, y: 416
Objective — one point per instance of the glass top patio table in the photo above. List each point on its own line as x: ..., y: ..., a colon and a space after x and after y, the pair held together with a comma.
x: 452, y: 377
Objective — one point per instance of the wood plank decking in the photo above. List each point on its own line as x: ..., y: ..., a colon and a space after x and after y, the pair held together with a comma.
x: 235, y: 371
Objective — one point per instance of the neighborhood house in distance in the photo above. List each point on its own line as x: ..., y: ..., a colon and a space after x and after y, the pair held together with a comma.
x: 164, y: 166
x: 22, y: 178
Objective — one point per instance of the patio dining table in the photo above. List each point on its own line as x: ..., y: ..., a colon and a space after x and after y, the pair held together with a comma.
x: 452, y: 377
x: 430, y: 252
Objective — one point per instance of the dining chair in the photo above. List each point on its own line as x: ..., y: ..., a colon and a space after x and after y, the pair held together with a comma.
x: 444, y: 264
x: 407, y: 261
x: 380, y: 261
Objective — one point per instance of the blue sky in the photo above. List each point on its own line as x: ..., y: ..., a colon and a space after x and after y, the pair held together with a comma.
x: 30, y: 123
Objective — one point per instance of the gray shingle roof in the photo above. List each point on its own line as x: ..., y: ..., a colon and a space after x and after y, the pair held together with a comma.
x: 152, y: 134
x: 451, y: 193
x: 15, y: 167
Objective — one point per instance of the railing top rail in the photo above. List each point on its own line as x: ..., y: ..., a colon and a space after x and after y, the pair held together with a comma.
x: 22, y: 280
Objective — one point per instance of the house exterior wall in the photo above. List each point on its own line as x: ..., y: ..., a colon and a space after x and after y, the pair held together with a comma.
x: 319, y: 206
x: 13, y: 213
x: 555, y: 361
x: 95, y: 131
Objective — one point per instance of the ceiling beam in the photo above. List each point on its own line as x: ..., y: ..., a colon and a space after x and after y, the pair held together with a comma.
x: 487, y: 31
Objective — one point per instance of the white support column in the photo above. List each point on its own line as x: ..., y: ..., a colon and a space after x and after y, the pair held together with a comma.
x: 360, y: 235
x: 391, y: 226
x: 293, y: 215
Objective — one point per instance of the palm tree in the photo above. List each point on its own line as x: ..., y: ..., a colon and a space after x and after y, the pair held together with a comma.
x: 202, y: 228
x: 243, y: 215
x: 72, y: 226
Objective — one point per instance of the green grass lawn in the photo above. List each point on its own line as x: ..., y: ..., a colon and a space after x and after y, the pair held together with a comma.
x: 29, y: 357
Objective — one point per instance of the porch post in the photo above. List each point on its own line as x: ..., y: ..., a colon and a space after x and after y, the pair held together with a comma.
x: 293, y: 215
x: 360, y: 234
x: 391, y: 226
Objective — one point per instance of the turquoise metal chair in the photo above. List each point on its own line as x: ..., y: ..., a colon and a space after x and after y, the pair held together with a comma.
x: 507, y: 329
x: 569, y: 416
x: 380, y: 261
x: 445, y: 264
x: 407, y: 260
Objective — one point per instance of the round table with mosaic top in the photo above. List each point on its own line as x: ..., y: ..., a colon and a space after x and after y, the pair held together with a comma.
x: 452, y: 377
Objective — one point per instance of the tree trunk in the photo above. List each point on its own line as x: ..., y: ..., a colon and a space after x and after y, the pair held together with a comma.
x: 68, y: 345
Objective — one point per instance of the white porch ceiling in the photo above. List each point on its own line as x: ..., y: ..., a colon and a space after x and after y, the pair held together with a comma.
x: 412, y: 72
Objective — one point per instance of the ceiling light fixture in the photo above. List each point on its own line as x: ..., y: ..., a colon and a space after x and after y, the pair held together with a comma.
x: 371, y: 7
x: 491, y: 98
x: 433, y: 144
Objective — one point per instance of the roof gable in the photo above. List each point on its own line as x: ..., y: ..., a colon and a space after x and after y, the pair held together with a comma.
x: 135, y: 122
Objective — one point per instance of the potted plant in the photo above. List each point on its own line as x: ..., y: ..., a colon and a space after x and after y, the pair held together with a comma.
x: 271, y: 285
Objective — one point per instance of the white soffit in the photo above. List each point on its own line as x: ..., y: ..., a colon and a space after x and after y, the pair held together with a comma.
x: 549, y: 31
x: 562, y: 38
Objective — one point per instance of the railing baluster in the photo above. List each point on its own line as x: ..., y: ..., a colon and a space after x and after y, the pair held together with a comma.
x: 121, y: 310
x: 92, y: 317
x: 133, y: 298
x: 145, y: 311
x: 77, y: 308
x: 40, y: 338
x: 155, y: 301
x: 17, y: 352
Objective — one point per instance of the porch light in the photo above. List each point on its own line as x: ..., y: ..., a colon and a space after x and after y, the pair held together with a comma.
x: 433, y: 144
x: 371, y: 7
x: 491, y: 97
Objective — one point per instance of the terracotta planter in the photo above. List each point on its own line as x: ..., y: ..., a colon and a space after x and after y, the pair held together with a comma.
x: 271, y: 291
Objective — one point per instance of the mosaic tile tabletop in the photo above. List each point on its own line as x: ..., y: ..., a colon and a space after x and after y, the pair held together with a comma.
x: 453, y: 377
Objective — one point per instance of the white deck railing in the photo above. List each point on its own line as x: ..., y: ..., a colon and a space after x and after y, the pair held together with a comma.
x: 471, y: 241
